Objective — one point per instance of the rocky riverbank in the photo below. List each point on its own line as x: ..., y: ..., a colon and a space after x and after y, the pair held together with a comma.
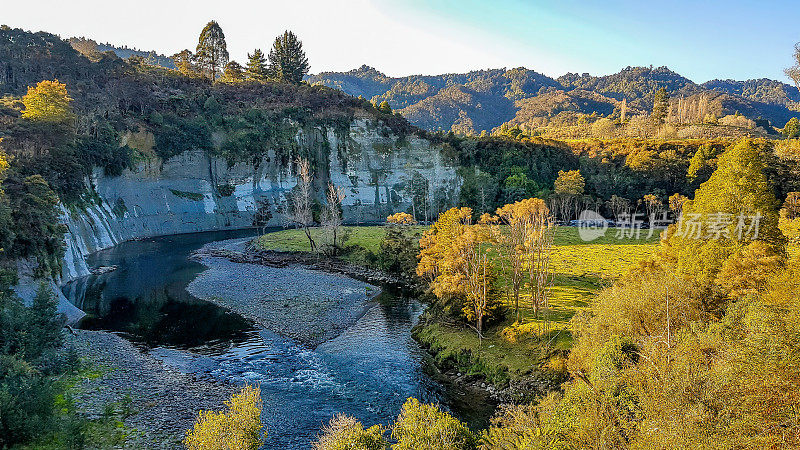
x: 163, y: 402
x: 284, y: 295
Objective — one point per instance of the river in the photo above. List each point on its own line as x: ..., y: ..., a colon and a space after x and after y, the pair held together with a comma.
x: 367, y: 371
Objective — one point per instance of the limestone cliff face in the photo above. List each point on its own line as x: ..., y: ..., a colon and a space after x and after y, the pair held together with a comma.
x: 380, y: 173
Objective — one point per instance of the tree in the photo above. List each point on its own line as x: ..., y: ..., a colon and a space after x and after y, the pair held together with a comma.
x: 287, y: 60
x: 619, y: 206
x: 399, y: 246
x: 212, y: 51
x: 300, y: 213
x: 238, y: 428
x: 568, y: 187
x: 234, y: 72
x: 700, y: 161
x: 652, y: 204
x: 749, y: 270
x: 346, y: 433
x: 256, y: 66
x: 424, y: 427
x: 660, y: 106
x: 518, y: 186
x: 185, y: 63
x: 384, y: 107
x: 569, y: 182
x: 48, y: 102
x: 792, y: 128
x: 473, y: 272
x: 733, y: 208
x: 454, y: 258
x: 676, y: 202
x: 332, y: 215
x: 452, y: 261
x: 523, y: 243
x: 794, y: 71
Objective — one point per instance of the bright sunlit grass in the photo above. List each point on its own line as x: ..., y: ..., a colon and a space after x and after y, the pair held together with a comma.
x: 581, y: 270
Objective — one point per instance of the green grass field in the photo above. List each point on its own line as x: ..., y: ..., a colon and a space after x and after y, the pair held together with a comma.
x: 580, y: 268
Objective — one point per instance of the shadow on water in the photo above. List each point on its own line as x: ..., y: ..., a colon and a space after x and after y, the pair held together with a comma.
x: 146, y: 297
x: 368, y: 371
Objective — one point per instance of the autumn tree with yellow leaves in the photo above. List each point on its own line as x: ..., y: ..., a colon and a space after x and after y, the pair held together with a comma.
x: 454, y: 259
x: 568, y: 187
x: 48, y: 102
x: 525, y: 241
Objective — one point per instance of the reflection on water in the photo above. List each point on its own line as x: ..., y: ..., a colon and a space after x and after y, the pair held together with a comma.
x: 368, y: 371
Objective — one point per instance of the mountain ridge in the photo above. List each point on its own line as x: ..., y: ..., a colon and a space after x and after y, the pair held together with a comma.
x: 431, y: 102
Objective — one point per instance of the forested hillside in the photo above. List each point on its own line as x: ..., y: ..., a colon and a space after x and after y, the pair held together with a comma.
x: 483, y: 100
x: 63, y: 114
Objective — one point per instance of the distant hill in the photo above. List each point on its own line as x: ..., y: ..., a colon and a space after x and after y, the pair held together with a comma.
x: 482, y: 100
x: 92, y: 50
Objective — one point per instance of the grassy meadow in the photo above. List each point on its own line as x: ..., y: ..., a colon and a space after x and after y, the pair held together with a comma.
x: 581, y: 269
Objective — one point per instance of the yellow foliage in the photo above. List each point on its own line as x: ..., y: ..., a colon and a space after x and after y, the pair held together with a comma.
x: 238, y: 428
x: 48, y: 101
x: 517, y: 332
x: 440, y: 237
x: 749, y: 270
x: 401, y: 218
x: 346, y: 433
x: 789, y: 227
x: 424, y: 427
x: 570, y: 182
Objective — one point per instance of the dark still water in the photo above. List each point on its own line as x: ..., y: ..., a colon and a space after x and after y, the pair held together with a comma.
x: 368, y: 371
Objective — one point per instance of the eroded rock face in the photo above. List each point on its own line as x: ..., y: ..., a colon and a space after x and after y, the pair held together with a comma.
x: 379, y: 172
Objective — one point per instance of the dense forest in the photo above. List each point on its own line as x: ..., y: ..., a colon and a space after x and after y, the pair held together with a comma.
x: 484, y: 100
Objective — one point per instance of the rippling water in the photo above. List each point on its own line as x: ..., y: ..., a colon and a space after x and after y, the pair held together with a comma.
x: 368, y: 371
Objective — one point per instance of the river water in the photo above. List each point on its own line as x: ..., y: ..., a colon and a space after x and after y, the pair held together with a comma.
x: 368, y: 371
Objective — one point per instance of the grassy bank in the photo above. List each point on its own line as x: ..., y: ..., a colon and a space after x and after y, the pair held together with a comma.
x: 507, y: 352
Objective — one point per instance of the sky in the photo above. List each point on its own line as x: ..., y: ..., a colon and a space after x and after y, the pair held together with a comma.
x: 700, y: 40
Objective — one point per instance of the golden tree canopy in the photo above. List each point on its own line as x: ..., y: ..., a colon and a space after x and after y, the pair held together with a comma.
x: 401, y: 218
x: 48, y: 101
x: 238, y: 428
x: 570, y: 182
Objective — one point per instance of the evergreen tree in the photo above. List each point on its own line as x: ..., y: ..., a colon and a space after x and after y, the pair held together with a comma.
x: 233, y: 72
x: 384, y: 107
x: 287, y: 60
x: 212, y: 51
x: 660, y: 106
x: 256, y: 66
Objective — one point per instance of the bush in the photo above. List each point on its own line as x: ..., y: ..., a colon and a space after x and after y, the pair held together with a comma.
x: 238, y: 428
x: 29, y: 340
x: 346, y: 433
x: 425, y: 427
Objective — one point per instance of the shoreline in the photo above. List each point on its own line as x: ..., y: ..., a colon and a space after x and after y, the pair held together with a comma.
x: 275, y: 293
x: 456, y: 378
x: 164, y: 402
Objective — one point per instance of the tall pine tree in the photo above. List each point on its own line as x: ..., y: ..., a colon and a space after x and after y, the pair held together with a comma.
x: 660, y: 106
x: 256, y: 66
x: 212, y: 51
x: 287, y: 60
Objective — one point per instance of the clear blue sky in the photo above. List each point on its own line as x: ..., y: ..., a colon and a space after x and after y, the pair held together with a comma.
x: 701, y: 40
